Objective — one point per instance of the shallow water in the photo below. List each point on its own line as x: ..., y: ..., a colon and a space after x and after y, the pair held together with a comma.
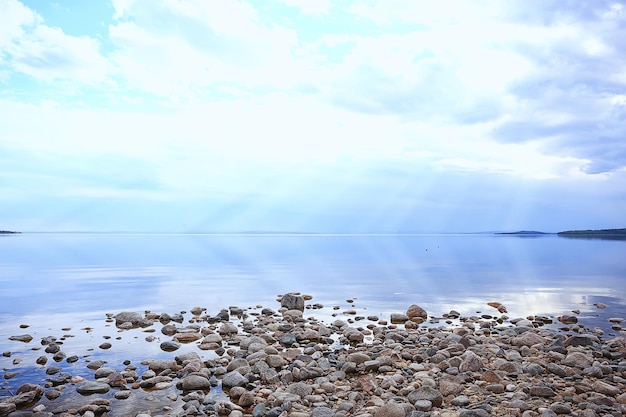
x: 52, y: 282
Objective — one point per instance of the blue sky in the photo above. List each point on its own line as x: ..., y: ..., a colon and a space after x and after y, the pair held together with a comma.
x: 298, y: 115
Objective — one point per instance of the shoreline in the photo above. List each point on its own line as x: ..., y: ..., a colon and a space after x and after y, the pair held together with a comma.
x: 263, y: 362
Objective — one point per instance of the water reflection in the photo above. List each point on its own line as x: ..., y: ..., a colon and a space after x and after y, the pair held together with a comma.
x: 49, y: 274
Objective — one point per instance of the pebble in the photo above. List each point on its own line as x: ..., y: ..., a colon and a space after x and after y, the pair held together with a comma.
x: 266, y: 364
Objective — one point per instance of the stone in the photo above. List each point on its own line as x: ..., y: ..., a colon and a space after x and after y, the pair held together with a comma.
x: 449, y: 387
x: 169, y: 346
x: 471, y: 362
x: 390, y: 409
x: 556, y: 369
x: 187, y: 337
x: 131, y: 317
x: 292, y: 302
x: 300, y: 388
x: 26, y: 395
x: 528, y: 339
x: 577, y: 360
x: 275, y: 361
x: 322, y: 411
x: 234, y: 379
x: 605, y: 388
x: 415, y: 311
x: 160, y: 365
x: 7, y: 408
x: 580, y: 340
x: 477, y: 412
x: 498, y: 306
x: 103, y: 372
x: 122, y: 395
x: 90, y: 387
x: 194, y: 382
x: 561, y: 408
x: 398, y: 318
x: 423, y: 405
x: 227, y: 328
x: 542, y: 391
x: 568, y: 319
x: 426, y: 393
x: 495, y: 388
x: 26, y: 338
x: 460, y: 401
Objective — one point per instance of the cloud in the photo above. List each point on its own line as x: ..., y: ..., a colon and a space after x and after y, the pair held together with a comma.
x: 46, y: 53
x: 187, y: 47
x: 318, y: 7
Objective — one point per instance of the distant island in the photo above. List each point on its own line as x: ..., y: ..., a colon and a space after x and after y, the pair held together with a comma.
x: 598, y: 232
x: 603, y: 234
x: 8, y: 232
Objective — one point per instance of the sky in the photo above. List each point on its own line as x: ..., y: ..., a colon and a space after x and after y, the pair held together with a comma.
x: 333, y: 116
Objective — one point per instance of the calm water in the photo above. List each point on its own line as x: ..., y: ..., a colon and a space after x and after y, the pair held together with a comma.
x: 56, y: 281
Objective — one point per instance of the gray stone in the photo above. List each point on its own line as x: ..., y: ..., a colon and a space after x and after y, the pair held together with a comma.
x: 160, y: 365
x: 300, y: 388
x: 122, y: 395
x: 556, y: 369
x: 227, y: 328
x: 7, y: 408
x: 194, y: 382
x: 542, y: 391
x: 322, y: 412
x: 259, y: 410
x: 426, y: 393
x: 423, y: 405
x: 478, y: 412
x: 128, y: 317
x: 561, y: 408
x: 292, y: 302
x: 103, y: 372
x: 170, y: 346
x: 460, y: 401
x: 390, y: 409
x: 495, y: 388
x: 471, y: 362
x: 90, y: 387
x: 234, y: 379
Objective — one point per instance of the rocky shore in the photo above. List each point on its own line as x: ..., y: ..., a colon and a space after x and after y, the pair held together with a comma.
x: 258, y: 362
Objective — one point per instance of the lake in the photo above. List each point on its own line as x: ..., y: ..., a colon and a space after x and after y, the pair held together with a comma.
x: 66, y: 283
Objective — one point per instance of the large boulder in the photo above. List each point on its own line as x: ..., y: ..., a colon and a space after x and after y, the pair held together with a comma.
x: 292, y: 302
x: 416, y: 312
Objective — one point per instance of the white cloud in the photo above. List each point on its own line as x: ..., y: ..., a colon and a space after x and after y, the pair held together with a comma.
x: 28, y: 46
x: 49, y: 54
x: 184, y: 47
x: 316, y: 7
x: 14, y: 16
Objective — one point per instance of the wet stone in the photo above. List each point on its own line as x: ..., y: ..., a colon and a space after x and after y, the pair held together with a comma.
x: 89, y: 387
x: 26, y: 338
x: 169, y: 346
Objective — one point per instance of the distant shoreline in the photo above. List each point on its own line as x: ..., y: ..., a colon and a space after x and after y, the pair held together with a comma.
x: 605, y: 232
x: 601, y: 234
x: 9, y: 232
